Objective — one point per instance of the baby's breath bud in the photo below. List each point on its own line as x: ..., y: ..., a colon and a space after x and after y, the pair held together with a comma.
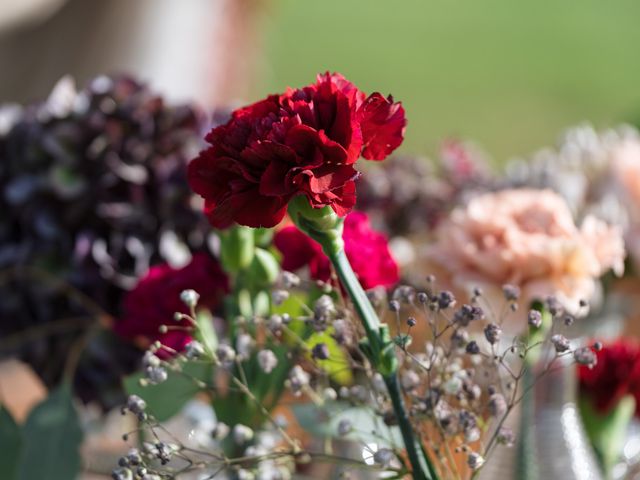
x: 404, y: 294
x: 423, y: 297
x: 497, y: 405
x: 598, y: 346
x: 459, y: 339
x: 193, y: 350
x: 472, y: 348
x: 344, y: 427
x: 150, y: 359
x: 505, y: 437
x: 384, y: 457
x: 329, y: 394
x: 560, y: 343
x: 135, y: 404
x: 511, y: 293
x: 163, y: 329
x: 122, y: 474
x: 411, y: 322
x: 534, y: 318
x: 134, y: 457
x: 467, y: 314
x: 554, y: 306
x: 298, y: 379
x: 275, y: 323
x: 156, y: 375
x: 320, y: 351
x: 568, y: 320
x: 377, y: 296
x: 585, y: 356
x: 446, y: 300
x: 242, y: 434
x: 394, y: 306
x: 290, y: 280
x: 492, y: 333
x: 189, y: 298
x: 267, y: 360
x: 475, y: 460
x: 378, y: 383
x: 409, y: 379
x: 225, y: 353
x: 220, y: 431
x: 279, y: 296
x: 244, y: 344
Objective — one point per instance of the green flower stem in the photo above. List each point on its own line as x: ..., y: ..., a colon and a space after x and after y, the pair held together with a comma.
x: 325, y: 227
x: 380, y: 350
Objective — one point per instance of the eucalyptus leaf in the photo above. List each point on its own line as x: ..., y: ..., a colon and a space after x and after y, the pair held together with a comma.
x: 10, y: 444
x: 51, y: 439
x: 167, y: 398
x: 323, y: 422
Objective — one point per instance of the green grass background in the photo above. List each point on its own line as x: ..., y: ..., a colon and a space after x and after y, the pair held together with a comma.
x: 509, y: 74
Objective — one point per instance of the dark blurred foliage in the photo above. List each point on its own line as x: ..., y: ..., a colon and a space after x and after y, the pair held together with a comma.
x: 407, y: 195
x: 92, y: 191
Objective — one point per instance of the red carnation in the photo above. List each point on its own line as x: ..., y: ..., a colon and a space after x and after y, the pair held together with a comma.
x: 156, y: 298
x: 366, y: 249
x: 303, y: 142
x: 616, y: 374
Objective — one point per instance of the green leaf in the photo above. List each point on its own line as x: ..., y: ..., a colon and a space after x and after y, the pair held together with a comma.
x: 608, y: 432
x: 51, y: 441
x: 264, y: 268
x: 167, y: 398
x: 337, y: 365
x: 206, y: 333
x: 10, y: 444
x: 322, y: 422
x: 237, y: 248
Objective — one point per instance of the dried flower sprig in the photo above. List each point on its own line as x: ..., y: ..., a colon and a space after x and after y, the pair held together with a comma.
x: 459, y: 386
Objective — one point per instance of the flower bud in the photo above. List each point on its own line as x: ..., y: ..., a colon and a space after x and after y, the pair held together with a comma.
x: 189, y: 298
x: 242, y: 434
x: 534, y: 318
x: 560, y: 343
x: 492, y: 333
x: 267, y: 360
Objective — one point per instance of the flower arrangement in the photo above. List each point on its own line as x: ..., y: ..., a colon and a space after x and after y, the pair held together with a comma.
x: 251, y: 287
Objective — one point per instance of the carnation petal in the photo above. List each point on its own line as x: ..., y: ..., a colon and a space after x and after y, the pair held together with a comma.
x: 383, y: 125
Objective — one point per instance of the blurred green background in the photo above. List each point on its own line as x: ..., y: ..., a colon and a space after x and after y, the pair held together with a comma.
x: 509, y: 75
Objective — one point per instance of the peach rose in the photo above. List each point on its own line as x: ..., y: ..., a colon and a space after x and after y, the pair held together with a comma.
x: 527, y: 238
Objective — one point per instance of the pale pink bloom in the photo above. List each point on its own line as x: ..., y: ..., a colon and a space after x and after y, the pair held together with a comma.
x: 625, y: 163
x: 527, y: 238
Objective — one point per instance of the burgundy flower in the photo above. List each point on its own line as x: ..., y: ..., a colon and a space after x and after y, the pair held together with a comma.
x: 616, y: 374
x: 156, y: 298
x: 366, y: 249
x: 303, y: 142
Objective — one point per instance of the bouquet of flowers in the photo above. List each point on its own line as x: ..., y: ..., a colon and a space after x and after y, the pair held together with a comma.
x: 276, y: 319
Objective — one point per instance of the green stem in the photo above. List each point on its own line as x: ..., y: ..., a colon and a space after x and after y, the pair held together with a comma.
x: 382, y: 355
x: 422, y: 468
